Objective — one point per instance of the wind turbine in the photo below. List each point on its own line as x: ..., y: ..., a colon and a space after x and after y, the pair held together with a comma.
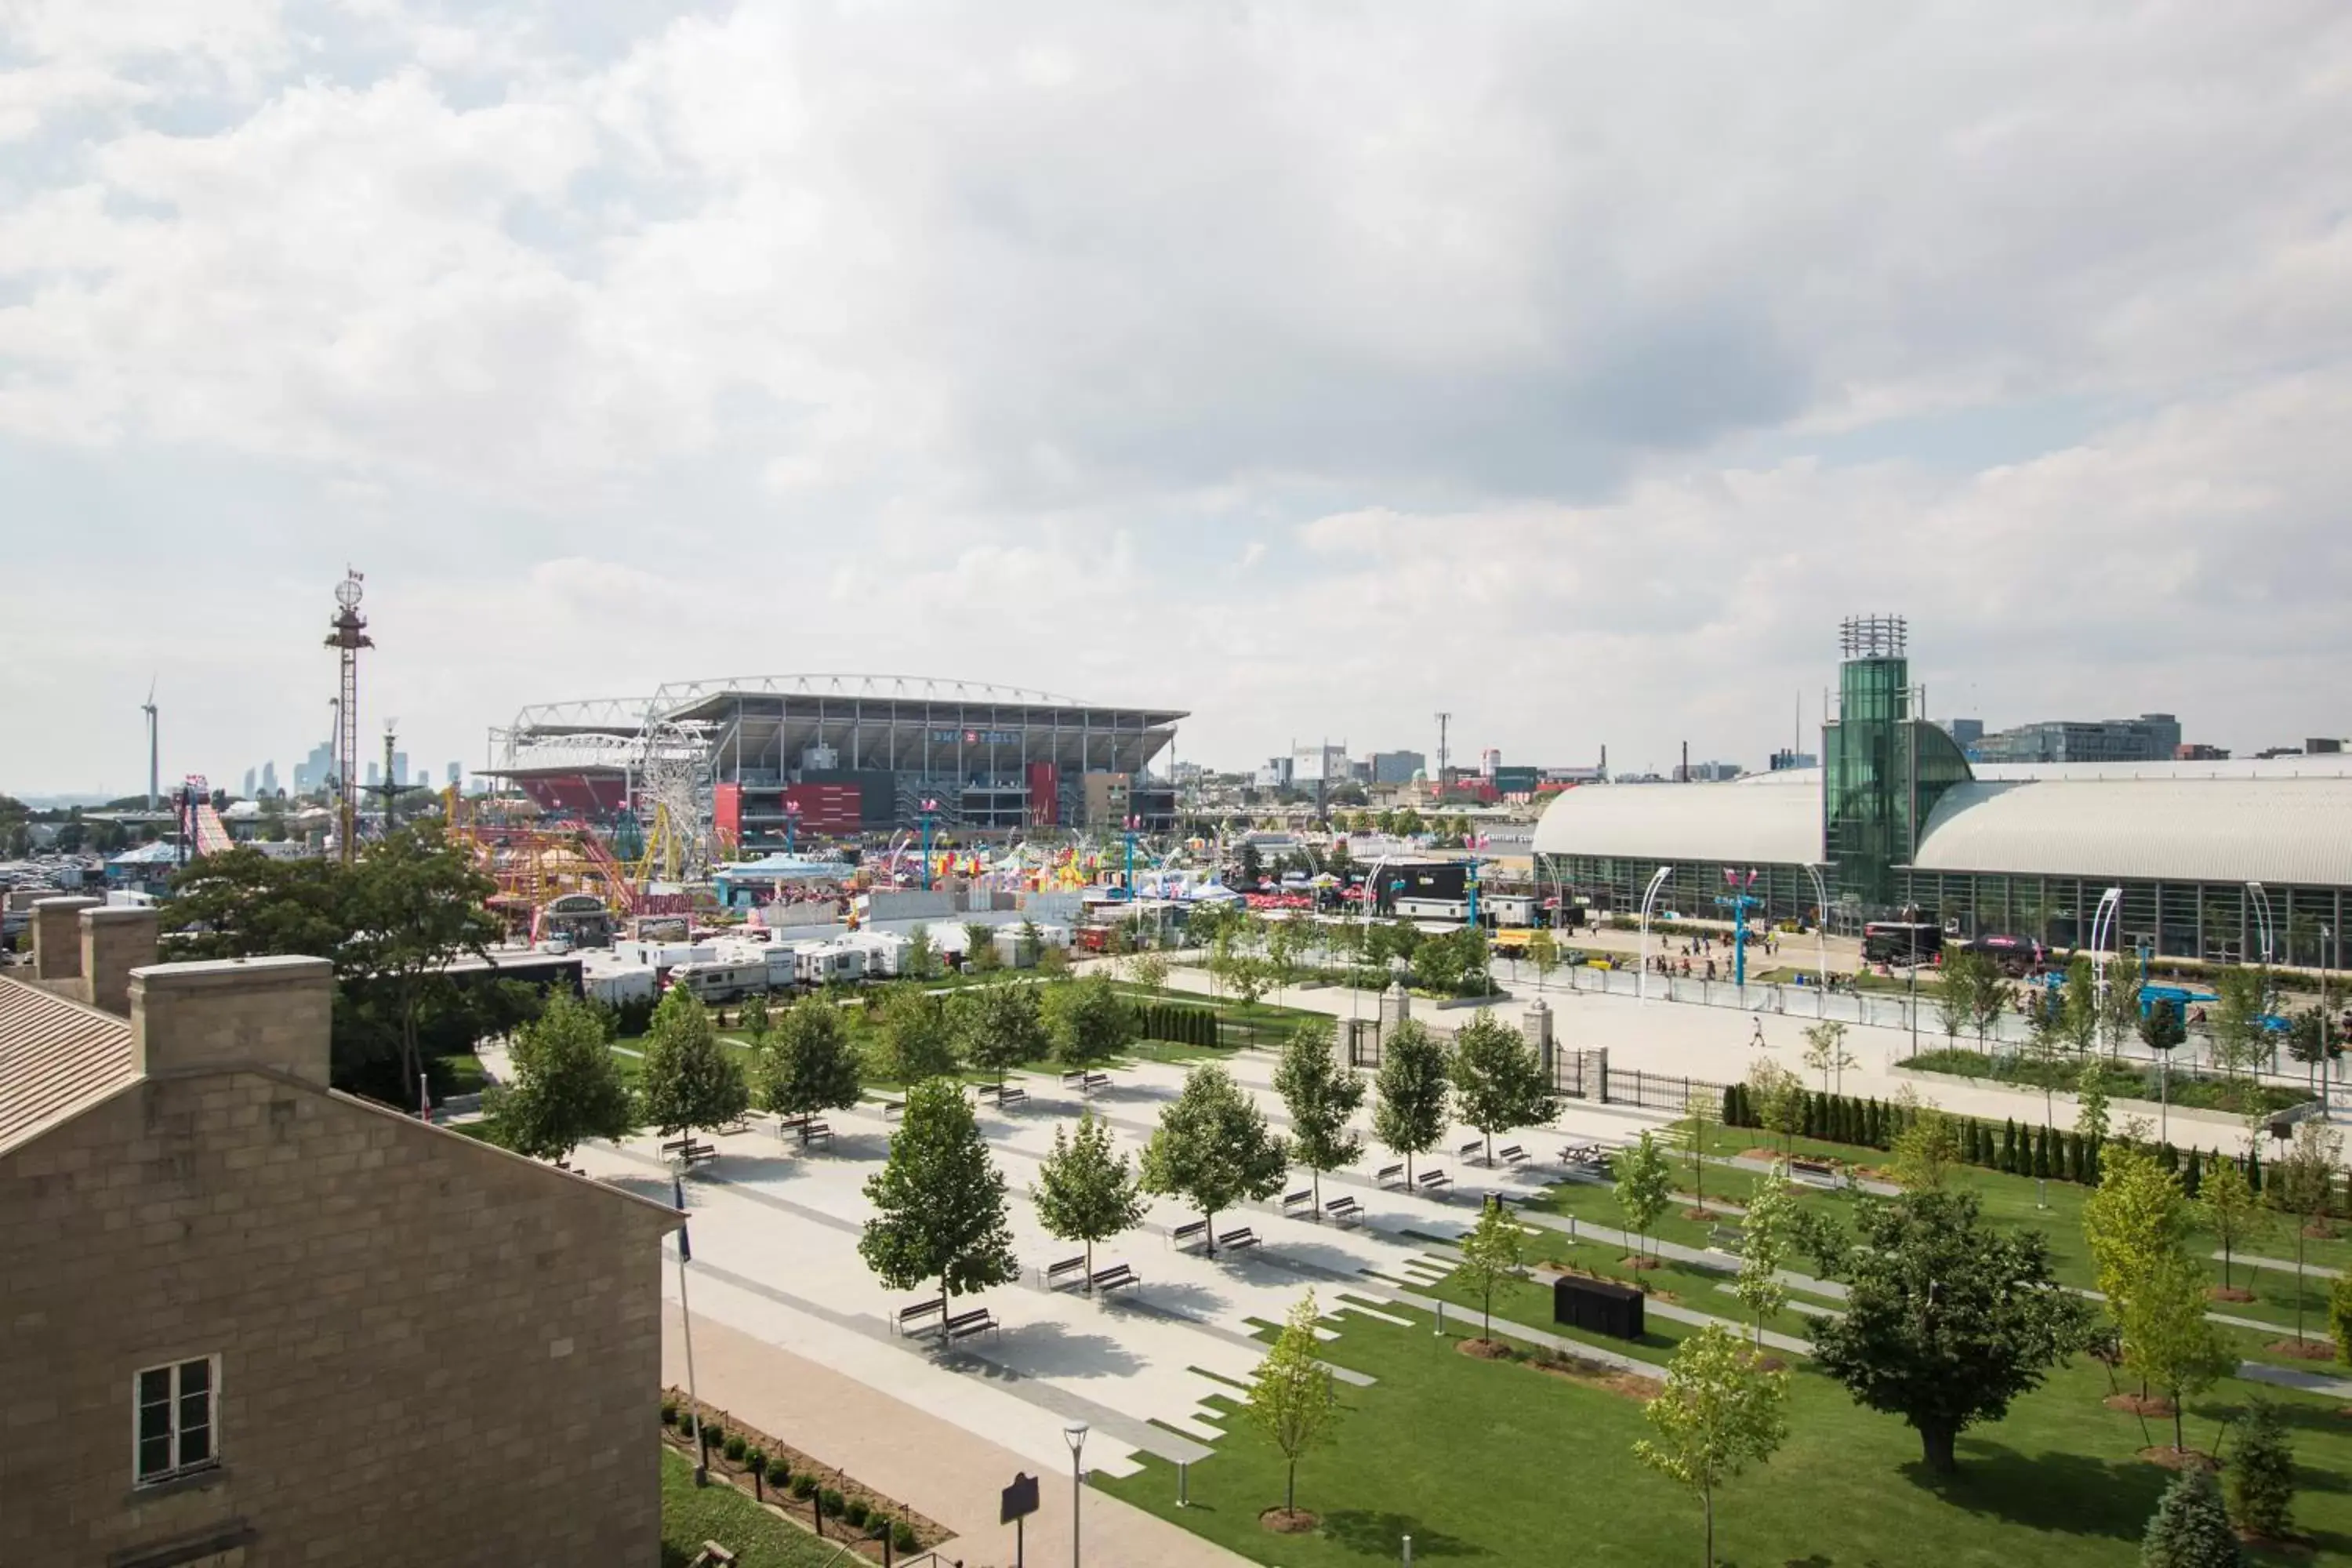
x: 153, y: 777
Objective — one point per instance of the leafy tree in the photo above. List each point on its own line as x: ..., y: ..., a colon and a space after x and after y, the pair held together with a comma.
x: 2230, y: 1211
x: 809, y: 1063
x: 2300, y: 1184
x: 2119, y: 1008
x: 2078, y: 1008
x: 2311, y: 1039
x: 1689, y: 1135
x: 1494, y: 1251
x: 1778, y: 1097
x: 920, y: 959
x: 1954, y: 994
x: 1149, y: 969
x: 689, y: 1079
x: 2091, y: 1103
x: 2339, y: 1317
x: 2160, y: 1028
x: 1028, y: 944
x: 915, y: 1038
x: 567, y: 1087
x: 1409, y: 1113
x: 1987, y: 998
x: 1720, y: 1411
x: 1926, y: 1150
x: 2167, y: 1339
x: 1766, y: 1238
x: 1213, y: 1148
x: 1543, y: 951
x: 2191, y: 1528
x: 1645, y: 1184
x: 756, y: 1021
x: 1322, y: 1096
x: 1499, y: 1080
x: 1291, y: 1398
x: 1825, y: 1050
x: 2262, y: 1473
x: 1089, y: 1023
x: 1084, y: 1190
x: 939, y: 1202
x: 1001, y: 1026
x: 979, y: 945
x: 1947, y: 1319
x: 416, y: 902
x: 2240, y: 997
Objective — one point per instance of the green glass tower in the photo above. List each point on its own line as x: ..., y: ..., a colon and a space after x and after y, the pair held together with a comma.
x: 1883, y: 770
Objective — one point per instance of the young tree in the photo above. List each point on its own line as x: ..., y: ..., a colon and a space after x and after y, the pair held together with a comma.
x: 2262, y: 1473
x: 1645, y: 1184
x: 920, y: 960
x: 2078, y: 1008
x: 1494, y: 1251
x: 2189, y: 1527
x: 1946, y: 1321
x: 415, y: 903
x: 2230, y: 1211
x: 1987, y: 998
x: 2134, y: 1222
x: 1825, y: 1050
x: 2119, y: 1008
x: 1719, y: 1412
x: 2160, y: 1028
x: 1084, y: 1190
x: 1001, y: 1027
x: 1766, y: 1238
x: 2339, y: 1317
x: 1149, y: 969
x: 980, y: 946
x: 2091, y: 1103
x: 1408, y: 1113
x: 1928, y: 1151
x: 1956, y: 992
x: 1700, y: 1107
x: 1212, y: 1149
x: 809, y: 1064
x: 2240, y: 997
x: 1029, y: 944
x: 2299, y: 1184
x: 567, y: 1087
x: 1543, y: 951
x: 939, y: 1202
x: 2167, y: 1337
x: 1322, y: 1096
x: 689, y: 1079
x: 1499, y: 1080
x: 756, y: 1021
x: 1291, y: 1399
x: 915, y: 1039
x: 1089, y: 1023
x: 1778, y: 1097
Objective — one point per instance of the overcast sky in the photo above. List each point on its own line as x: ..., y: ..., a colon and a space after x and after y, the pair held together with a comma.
x: 1313, y: 367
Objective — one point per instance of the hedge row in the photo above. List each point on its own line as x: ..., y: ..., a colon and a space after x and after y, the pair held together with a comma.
x: 1177, y: 1022
x: 770, y: 1473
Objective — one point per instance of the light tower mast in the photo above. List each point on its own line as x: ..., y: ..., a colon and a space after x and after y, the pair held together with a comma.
x: 1443, y: 721
x: 348, y: 636
x: 153, y: 780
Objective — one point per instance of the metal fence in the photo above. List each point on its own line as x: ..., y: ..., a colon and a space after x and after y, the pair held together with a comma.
x: 1587, y: 1075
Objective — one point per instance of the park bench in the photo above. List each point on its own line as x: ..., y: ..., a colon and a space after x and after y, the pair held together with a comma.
x: 689, y: 1152
x: 1185, y: 1236
x: 1089, y: 1081
x: 1470, y: 1150
x: 1815, y: 1170
x: 793, y: 1124
x: 1511, y: 1154
x: 988, y: 1090
x: 1303, y: 1198
x: 815, y: 1132
x: 908, y: 1317
x: 963, y: 1325
x: 740, y: 1124
x: 1241, y: 1235
x: 1112, y: 1278
x: 1435, y: 1181
x: 1011, y: 1098
x: 893, y: 1109
x: 1725, y: 1237
x: 1347, y: 1211
x: 1391, y: 1175
x: 1072, y: 1266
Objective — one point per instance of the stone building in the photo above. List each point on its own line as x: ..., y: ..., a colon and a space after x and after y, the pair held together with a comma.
x: 248, y: 1319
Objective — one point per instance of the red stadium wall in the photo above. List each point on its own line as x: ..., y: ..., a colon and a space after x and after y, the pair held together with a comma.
x: 587, y: 795
x: 1044, y: 794
x: 726, y: 813
x: 828, y: 807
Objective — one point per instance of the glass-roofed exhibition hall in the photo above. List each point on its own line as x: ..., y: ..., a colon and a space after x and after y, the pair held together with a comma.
x: 2227, y: 860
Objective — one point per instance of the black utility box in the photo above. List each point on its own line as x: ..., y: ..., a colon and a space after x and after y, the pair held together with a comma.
x: 1597, y: 1307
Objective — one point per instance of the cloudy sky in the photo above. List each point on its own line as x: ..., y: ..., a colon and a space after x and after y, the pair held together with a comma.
x: 1313, y: 367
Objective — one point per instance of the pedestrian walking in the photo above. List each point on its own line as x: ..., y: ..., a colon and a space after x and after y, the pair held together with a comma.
x: 1757, y: 1039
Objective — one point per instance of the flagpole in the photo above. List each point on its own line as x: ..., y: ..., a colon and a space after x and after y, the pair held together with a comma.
x: 686, y: 1314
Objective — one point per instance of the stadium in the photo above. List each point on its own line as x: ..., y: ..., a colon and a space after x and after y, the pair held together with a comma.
x: 771, y: 757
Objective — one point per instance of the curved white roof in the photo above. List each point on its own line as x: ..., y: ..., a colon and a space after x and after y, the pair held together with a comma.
x: 2291, y: 830
x: 1747, y: 823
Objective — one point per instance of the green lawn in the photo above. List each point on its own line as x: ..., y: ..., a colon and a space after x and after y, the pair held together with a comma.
x: 1498, y: 1463
x: 692, y: 1515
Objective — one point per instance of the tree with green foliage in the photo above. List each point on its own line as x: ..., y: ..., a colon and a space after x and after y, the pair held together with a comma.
x: 914, y: 1039
x: 809, y: 1064
x: 2262, y: 1473
x: 1987, y: 998
x: 1825, y: 1051
x: 980, y: 946
x: 1322, y: 1096
x: 1292, y: 1400
x: 1088, y: 1022
x: 2230, y: 1211
x: 1000, y: 1027
x: 1494, y: 1251
x: 1499, y: 1080
x: 1928, y: 1151
x: 939, y: 1202
x: 1955, y: 991
x: 2312, y: 1040
x: 417, y: 903
x: 2302, y: 1183
x: 1543, y: 951
x: 1212, y: 1149
x: 2240, y: 1000
x: 2191, y: 1528
x: 567, y: 1088
x: 1721, y: 1410
x: 1768, y: 1236
x: 2078, y: 1006
x: 1410, y: 1091
x: 2167, y: 1339
x: 2119, y: 1004
x: 1947, y: 1319
x: 2091, y: 1103
x: 919, y: 960
x: 1084, y: 1189
x: 688, y: 1078
x: 1646, y: 1184
x: 1690, y: 1136
x: 1778, y: 1097
x: 1148, y: 968
x: 2160, y: 1028
x: 2136, y: 1224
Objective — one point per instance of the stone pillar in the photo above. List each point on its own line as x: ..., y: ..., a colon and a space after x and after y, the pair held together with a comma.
x: 1536, y: 1024
x: 233, y: 1013
x: 57, y: 938
x: 115, y: 940
x: 1396, y: 1005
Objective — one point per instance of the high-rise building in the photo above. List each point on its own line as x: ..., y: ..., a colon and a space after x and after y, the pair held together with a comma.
x: 1395, y: 767
x: 1965, y: 732
x: 400, y: 769
x: 2151, y: 737
x: 269, y: 778
x: 457, y: 774
x: 252, y: 777
x: 317, y: 770
x: 374, y: 775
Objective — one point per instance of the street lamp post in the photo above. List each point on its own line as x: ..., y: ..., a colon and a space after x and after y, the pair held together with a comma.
x: 1821, y: 942
x: 1649, y: 896
x: 791, y: 822
x: 929, y: 807
x: 1075, y: 1434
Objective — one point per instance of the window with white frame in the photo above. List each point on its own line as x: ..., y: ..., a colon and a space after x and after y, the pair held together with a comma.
x: 175, y: 1419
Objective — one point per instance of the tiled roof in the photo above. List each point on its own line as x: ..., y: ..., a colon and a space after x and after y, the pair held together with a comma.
x: 54, y: 1054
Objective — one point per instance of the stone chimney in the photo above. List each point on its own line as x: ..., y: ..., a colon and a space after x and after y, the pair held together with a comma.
x: 233, y: 1013
x: 57, y: 938
x: 115, y: 940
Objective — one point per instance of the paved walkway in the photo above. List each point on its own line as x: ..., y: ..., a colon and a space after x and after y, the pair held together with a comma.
x: 933, y: 1466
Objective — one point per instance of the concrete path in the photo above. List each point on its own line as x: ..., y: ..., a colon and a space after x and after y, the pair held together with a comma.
x: 933, y: 1466
x: 2283, y: 1265
x: 2293, y: 1377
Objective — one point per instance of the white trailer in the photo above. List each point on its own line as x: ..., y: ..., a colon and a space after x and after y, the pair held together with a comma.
x: 720, y: 982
